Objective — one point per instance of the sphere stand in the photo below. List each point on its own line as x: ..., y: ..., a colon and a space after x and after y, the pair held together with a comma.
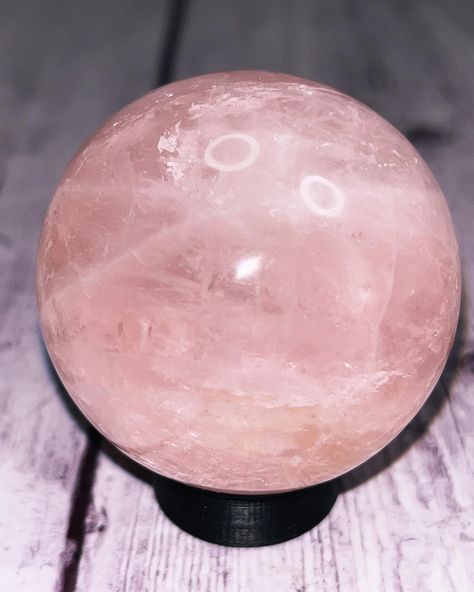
x: 240, y: 520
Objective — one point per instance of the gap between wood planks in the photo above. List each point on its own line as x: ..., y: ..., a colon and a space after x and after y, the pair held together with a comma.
x: 82, y: 494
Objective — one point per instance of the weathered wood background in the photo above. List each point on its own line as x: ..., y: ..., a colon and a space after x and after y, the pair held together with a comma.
x: 74, y: 515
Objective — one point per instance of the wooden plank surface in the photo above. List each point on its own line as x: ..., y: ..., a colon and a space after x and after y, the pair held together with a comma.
x: 405, y: 520
x: 63, y: 69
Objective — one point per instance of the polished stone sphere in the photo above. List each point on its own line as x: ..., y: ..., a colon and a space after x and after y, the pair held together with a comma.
x: 248, y: 281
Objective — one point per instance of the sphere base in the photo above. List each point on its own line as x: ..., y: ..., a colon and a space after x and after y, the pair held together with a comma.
x: 240, y: 520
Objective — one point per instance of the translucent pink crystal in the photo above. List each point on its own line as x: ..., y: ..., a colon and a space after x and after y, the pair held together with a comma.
x: 248, y: 281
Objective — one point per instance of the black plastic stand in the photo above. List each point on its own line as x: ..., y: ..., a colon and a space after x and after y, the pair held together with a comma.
x: 238, y: 520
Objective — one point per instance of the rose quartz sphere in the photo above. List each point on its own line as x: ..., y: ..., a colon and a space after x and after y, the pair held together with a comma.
x: 248, y: 281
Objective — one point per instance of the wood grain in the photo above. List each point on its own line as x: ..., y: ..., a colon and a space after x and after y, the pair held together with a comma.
x: 405, y: 519
x: 63, y: 69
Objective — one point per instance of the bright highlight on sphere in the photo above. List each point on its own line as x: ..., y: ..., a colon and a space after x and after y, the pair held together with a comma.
x: 248, y: 281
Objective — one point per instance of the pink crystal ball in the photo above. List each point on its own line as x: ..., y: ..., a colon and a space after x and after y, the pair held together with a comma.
x: 248, y: 281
